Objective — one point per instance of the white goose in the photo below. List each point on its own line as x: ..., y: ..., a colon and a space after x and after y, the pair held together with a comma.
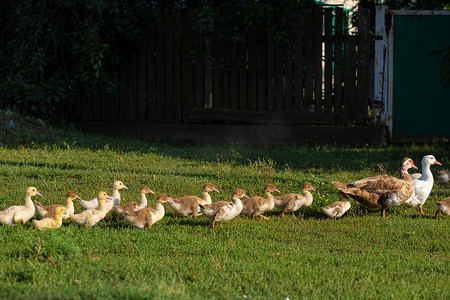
x: 115, y: 195
x: 423, y: 184
x: 20, y: 214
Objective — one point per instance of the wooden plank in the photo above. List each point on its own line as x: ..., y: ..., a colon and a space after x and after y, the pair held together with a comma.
x: 97, y: 107
x: 78, y: 105
x: 349, y: 79
x: 114, y: 98
x: 309, y: 57
x: 363, y: 63
x: 169, y: 78
x: 177, y: 67
x: 106, y: 107
x: 298, y: 68
x: 243, y: 97
x: 318, y: 38
x: 208, y: 71
x: 86, y: 111
x: 328, y: 93
x: 221, y: 115
x: 132, y: 90
x: 217, y: 74
x: 187, y: 85
x: 234, y: 79
x: 151, y: 79
x: 338, y: 65
x: 160, y: 73
x: 270, y: 76
x: 226, y: 75
x: 289, y: 72
x: 278, y: 51
x: 141, y: 82
x: 252, y: 71
x: 261, y: 71
x: 69, y: 109
x: 198, y: 71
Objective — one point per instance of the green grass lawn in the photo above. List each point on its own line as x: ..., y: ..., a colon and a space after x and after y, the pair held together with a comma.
x: 360, y: 255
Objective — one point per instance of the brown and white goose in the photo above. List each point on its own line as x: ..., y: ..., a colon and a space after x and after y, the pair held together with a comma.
x: 188, y: 205
x: 20, y: 214
x: 54, y: 222
x: 256, y: 206
x: 293, y: 202
x: 443, y: 207
x: 381, y: 191
x: 338, y: 208
x: 93, y: 204
x: 146, y: 216
x: 222, y: 210
x: 90, y: 217
x: 132, y: 206
x: 49, y: 211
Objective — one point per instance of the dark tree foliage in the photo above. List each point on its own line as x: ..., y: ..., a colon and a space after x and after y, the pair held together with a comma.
x: 53, y: 50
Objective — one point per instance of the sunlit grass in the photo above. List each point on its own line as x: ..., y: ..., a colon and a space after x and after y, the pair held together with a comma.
x: 357, y: 256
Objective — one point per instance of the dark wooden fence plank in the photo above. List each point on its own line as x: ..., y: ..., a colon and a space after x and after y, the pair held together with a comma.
x: 309, y: 56
x: 349, y: 78
x: 289, y: 73
x: 105, y: 106
x: 208, y: 71
x: 328, y: 93
x: 177, y: 67
x: 363, y: 63
x: 270, y: 69
x: 217, y: 74
x: 278, y: 76
x: 160, y: 75
x: 169, y: 61
x: 298, y: 68
x: 252, y: 84
x: 243, y: 96
x: 198, y: 71
x: 151, y: 80
x: 227, y: 56
x: 141, y: 82
x: 338, y: 65
x: 187, y: 67
x: 261, y: 68
x: 123, y: 92
x: 318, y: 39
x: 234, y: 78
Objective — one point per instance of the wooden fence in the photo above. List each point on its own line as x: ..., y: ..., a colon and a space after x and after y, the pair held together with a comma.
x: 180, y: 75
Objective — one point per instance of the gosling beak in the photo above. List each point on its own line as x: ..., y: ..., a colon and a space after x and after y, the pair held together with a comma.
x: 437, y: 163
x: 38, y: 194
x: 277, y: 191
x: 151, y: 192
x: 124, y: 187
x: 245, y: 196
x: 215, y: 190
x: 313, y: 189
x: 77, y: 197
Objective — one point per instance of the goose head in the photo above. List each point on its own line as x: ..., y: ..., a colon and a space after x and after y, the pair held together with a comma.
x: 208, y: 187
x: 72, y: 195
x: 145, y: 190
x: 61, y: 211
x: 308, y: 187
x: 430, y: 160
x: 103, y: 196
x: 408, y: 163
x: 162, y: 198
x: 270, y: 188
x: 238, y: 193
x: 118, y: 185
x: 32, y: 191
